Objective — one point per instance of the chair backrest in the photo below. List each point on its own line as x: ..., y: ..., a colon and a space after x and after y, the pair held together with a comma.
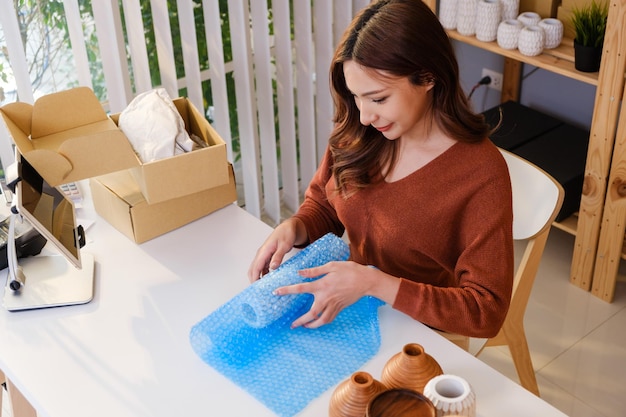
x: 537, y: 197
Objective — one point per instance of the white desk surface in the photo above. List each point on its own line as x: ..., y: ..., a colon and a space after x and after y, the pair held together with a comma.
x: 127, y: 352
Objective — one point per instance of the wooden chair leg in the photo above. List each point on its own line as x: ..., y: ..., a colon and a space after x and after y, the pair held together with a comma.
x: 21, y: 407
x: 516, y: 341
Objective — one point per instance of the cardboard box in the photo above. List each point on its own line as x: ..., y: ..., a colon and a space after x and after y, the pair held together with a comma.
x: 545, y: 8
x: 118, y: 199
x: 186, y: 173
x: 67, y: 136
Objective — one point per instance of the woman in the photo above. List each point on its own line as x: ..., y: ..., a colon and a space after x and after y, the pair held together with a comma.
x: 412, y: 178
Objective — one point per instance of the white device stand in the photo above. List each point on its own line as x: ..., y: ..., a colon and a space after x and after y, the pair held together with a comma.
x: 45, y: 280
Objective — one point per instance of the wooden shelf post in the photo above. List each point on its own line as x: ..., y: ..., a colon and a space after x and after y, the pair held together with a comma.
x: 592, y: 260
x: 611, y: 239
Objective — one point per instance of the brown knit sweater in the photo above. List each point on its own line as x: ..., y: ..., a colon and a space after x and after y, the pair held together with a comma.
x: 445, y: 230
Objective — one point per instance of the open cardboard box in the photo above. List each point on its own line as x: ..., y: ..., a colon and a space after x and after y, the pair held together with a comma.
x: 117, y: 198
x: 186, y: 173
x: 68, y: 137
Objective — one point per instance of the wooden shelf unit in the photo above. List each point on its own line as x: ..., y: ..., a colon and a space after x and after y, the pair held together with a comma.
x: 559, y: 60
x: 601, y: 221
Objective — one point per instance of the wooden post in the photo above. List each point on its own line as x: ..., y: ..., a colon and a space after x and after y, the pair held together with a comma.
x: 511, y: 80
x: 601, y: 142
x: 612, y: 231
x: 611, y: 239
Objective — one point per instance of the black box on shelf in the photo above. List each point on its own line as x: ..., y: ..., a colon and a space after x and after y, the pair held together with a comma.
x: 561, y: 152
x: 518, y: 124
x: 554, y: 146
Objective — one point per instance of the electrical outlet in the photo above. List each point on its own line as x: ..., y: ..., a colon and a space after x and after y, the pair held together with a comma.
x: 496, y: 79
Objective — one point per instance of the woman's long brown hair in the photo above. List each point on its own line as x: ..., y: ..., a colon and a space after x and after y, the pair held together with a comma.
x: 402, y: 38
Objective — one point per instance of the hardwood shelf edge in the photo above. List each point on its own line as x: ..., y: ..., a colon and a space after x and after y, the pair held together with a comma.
x: 568, y: 225
x: 559, y: 60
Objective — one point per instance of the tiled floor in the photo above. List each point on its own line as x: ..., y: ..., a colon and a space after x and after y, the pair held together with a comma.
x: 577, y: 341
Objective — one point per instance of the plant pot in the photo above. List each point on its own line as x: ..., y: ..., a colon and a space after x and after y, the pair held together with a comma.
x: 587, y: 58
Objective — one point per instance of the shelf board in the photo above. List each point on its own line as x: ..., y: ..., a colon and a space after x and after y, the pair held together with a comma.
x: 559, y: 60
x: 568, y: 225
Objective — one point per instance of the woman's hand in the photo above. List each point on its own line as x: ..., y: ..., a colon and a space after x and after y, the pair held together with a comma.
x: 344, y: 284
x: 270, y: 255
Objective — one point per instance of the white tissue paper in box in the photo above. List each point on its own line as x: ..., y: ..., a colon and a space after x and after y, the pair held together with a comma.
x: 153, y: 126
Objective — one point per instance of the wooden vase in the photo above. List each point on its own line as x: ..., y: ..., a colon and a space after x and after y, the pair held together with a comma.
x: 411, y: 368
x: 351, y: 396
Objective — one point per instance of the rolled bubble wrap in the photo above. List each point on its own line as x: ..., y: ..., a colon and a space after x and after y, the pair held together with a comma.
x: 250, y: 341
x: 263, y: 308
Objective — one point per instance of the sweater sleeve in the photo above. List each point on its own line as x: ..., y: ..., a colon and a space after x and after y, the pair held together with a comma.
x: 317, y: 214
x: 475, y: 303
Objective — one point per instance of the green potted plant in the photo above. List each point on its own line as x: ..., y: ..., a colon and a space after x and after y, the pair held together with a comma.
x: 589, y: 23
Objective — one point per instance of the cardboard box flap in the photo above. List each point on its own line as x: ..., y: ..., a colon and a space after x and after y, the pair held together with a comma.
x: 68, y: 137
x: 65, y: 110
x: 17, y: 117
x: 192, y: 116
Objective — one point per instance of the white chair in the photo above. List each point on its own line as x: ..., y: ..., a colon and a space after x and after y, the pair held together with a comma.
x: 537, y: 199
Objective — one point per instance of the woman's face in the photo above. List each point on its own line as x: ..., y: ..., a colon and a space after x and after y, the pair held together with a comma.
x: 392, y: 105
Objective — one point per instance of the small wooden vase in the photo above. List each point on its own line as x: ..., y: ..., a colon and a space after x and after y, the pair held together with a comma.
x: 411, y: 368
x: 351, y: 396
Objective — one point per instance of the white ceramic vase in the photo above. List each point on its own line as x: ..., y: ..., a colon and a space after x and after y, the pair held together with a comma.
x: 451, y: 395
x: 466, y: 17
x: 448, y: 13
x: 553, y: 30
x: 488, y: 14
x: 508, y: 33
x: 531, y: 40
x: 529, y: 18
x: 510, y: 9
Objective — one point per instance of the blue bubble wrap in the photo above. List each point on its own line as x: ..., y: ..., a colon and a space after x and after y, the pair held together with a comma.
x: 249, y: 339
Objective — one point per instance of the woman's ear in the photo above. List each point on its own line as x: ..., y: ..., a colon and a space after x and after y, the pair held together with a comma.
x: 430, y: 82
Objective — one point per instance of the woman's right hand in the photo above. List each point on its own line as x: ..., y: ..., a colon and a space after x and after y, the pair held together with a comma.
x: 270, y: 255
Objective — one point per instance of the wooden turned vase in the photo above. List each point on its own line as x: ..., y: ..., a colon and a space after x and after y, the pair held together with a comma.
x: 351, y: 396
x: 410, y: 368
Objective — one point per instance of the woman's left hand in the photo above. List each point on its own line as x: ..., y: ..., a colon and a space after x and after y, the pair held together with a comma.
x: 344, y: 284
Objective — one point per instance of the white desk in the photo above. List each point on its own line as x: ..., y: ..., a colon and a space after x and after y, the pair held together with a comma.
x: 127, y: 353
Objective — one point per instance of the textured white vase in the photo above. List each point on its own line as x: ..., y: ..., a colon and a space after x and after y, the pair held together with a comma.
x: 448, y: 13
x: 529, y: 18
x: 466, y: 17
x: 510, y: 9
x: 531, y: 40
x: 488, y: 14
x: 451, y: 395
x: 553, y: 30
x: 508, y: 33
